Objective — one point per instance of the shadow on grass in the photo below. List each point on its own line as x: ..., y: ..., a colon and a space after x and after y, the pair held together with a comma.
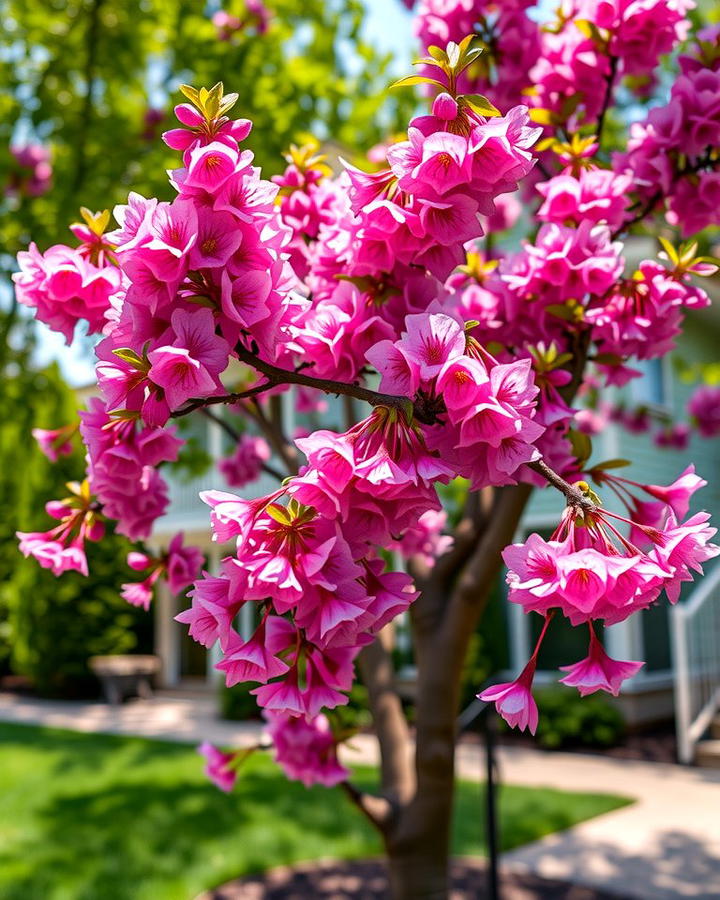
x: 99, y: 817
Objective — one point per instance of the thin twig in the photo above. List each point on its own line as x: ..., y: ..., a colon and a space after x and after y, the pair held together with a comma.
x: 278, y: 376
x: 231, y: 432
x: 376, y: 809
x: 608, y: 97
x: 574, y: 495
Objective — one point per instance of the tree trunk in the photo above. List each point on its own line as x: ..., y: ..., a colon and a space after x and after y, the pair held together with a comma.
x: 416, y: 827
x: 418, y: 845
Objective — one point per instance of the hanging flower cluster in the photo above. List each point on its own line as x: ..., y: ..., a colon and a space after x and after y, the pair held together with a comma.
x: 180, y: 566
x: 588, y: 571
x: 31, y: 175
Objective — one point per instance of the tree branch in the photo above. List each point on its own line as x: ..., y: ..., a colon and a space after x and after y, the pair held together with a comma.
x: 277, y: 376
x: 285, y: 451
x: 231, y: 432
x: 376, y: 809
x: 574, y: 495
x: 608, y: 96
x: 237, y: 397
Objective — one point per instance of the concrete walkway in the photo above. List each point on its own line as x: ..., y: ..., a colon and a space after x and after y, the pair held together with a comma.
x: 666, y: 846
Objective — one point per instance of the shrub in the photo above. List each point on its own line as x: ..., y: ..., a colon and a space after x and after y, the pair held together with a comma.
x: 567, y: 720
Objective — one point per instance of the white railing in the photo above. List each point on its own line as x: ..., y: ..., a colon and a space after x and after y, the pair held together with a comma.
x: 695, y: 629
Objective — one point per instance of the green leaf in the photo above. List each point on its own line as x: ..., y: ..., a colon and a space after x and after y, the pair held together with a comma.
x: 561, y: 311
x: 131, y: 357
x: 669, y: 250
x: 410, y: 80
x: 191, y: 93
x: 612, y: 464
x: 581, y: 445
x: 279, y: 513
x: 481, y: 105
x: 543, y: 116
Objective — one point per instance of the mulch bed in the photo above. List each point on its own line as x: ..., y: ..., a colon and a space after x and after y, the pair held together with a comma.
x: 655, y: 745
x: 366, y: 880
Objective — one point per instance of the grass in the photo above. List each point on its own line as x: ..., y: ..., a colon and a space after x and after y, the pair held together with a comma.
x: 86, y: 816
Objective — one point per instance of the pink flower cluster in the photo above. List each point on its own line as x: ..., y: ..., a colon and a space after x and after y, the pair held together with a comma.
x: 308, y: 199
x: 202, y: 270
x: 670, y: 154
x: 66, y: 285
x: 311, y: 566
x: 305, y: 749
x: 490, y: 406
x: 398, y: 230
x: 595, y: 195
x: 180, y: 566
x: 122, y: 460
x: 62, y: 549
x: 451, y: 168
x: 573, y: 69
x: 562, y: 265
x: 32, y: 175
x: 643, y: 314
x: 592, y: 572
x: 246, y: 462
x: 704, y: 409
x: 588, y: 572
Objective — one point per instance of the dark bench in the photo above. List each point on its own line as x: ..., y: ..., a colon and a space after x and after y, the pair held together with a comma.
x: 125, y: 676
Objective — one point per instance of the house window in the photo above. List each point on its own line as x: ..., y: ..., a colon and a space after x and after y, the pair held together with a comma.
x: 649, y: 390
x: 656, y: 638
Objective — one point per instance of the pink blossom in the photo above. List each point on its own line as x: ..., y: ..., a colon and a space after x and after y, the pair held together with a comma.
x: 514, y: 700
x: 246, y: 462
x: 191, y: 365
x: 182, y: 564
x: 138, y: 593
x: 63, y: 287
x: 219, y: 766
x: 598, y: 672
x: 56, y: 442
x: 33, y: 173
x: 677, y: 495
x: 675, y: 436
x: 704, y: 408
x: 431, y: 341
x: 305, y: 749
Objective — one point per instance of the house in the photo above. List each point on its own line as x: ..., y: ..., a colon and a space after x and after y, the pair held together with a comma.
x: 681, y: 646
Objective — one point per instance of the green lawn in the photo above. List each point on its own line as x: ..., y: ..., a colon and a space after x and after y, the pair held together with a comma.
x: 95, y: 817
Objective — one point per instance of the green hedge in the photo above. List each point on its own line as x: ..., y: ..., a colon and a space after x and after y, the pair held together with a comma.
x: 50, y: 626
x: 569, y: 720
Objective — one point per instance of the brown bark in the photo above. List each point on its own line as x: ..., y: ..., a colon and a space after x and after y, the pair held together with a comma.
x: 417, y: 825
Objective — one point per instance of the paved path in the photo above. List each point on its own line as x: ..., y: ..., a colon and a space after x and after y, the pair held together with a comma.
x: 666, y: 846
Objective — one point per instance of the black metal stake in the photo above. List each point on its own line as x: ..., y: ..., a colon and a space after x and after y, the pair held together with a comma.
x: 491, y: 806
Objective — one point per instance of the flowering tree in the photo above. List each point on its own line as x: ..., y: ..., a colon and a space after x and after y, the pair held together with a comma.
x: 376, y: 286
